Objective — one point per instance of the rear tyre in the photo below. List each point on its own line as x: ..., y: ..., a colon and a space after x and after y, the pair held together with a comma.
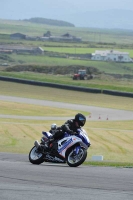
x: 36, y: 157
x: 76, y: 160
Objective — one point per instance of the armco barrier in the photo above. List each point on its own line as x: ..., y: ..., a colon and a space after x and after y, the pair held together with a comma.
x: 67, y: 87
x: 53, y: 85
x: 117, y: 93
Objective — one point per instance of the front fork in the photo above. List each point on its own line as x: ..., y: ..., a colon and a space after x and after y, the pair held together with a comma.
x: 76, y: 150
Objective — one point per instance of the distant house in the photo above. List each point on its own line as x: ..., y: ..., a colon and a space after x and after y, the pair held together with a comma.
x: 38, y: 50
x: 46, y: 37
x: 64, y: 38
x: 32, y: 38
x: 19, y: 49
x: 43, y: 38
x: 47, y: 34
x: 5, y: 51
x: 68, y: 36
x: 56, y: 38
x: 111, y: 55
x: 17, y: 36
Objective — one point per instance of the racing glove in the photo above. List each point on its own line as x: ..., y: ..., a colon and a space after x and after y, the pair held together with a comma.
x: 73, y: 133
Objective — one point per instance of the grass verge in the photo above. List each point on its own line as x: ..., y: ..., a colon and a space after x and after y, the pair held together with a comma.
x: 102, y: 82
x: 60, y: 95
x: 22, y: 109
x: 115, y: 144
x: 109, y: 164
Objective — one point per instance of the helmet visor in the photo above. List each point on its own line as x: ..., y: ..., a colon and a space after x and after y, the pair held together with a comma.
x: 82, y: 121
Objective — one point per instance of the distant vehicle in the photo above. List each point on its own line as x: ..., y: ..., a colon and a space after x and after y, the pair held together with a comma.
x: 82, y: 75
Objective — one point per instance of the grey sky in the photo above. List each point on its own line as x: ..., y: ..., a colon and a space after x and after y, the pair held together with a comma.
x: 21, y: 9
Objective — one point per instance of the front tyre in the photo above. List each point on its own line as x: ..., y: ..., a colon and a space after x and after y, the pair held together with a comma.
x: 36, y: 157
x: 76, y: 160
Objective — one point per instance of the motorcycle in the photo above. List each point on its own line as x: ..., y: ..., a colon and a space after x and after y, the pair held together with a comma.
x: 71, y: 149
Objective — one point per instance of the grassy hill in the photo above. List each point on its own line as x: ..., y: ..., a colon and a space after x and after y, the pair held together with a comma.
x: 50, y: 22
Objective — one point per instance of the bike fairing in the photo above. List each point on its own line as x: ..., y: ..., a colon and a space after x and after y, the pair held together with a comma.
x: 83, y: 135
x: 66, y: 144
x: 70, y: 149
x: 82, y: 139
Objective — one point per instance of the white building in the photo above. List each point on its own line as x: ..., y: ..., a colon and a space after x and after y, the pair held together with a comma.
x: 111, y: 55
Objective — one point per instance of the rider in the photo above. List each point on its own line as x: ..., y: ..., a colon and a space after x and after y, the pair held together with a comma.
x: 69, y: 126
x: 53, y: 129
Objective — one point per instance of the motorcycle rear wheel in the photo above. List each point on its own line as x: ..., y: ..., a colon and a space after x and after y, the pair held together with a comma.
x: 36, y: 157
x: 76, y: 160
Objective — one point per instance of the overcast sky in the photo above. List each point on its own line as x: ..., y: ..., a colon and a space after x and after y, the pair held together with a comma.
x: 22, y: 9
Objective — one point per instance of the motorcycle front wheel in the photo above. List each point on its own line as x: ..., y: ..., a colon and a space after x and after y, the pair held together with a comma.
x: 36, y: 157
x: 76, y: 160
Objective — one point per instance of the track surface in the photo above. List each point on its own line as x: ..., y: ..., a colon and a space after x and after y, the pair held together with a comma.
x: 96, y: 112
x: 19, y: 179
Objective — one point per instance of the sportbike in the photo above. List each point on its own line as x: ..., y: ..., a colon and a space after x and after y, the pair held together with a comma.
x: 71, y: 149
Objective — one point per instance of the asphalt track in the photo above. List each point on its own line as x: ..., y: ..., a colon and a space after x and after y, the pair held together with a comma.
x: 97, y: 113
x: 20, y: 180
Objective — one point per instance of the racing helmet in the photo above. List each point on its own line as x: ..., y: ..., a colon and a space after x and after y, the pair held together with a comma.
x: 80, y: 119
x: 53, y: 126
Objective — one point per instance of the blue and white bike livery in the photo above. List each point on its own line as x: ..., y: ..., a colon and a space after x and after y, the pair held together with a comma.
x: 71, y: 149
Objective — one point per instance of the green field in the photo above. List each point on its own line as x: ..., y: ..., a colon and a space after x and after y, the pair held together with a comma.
x: 93, y: 39
x: 11, y: 108
x: 54, y: 94
x: 80, y: 50
x: 112, y: 139
x: 101, y: 81
x: 87, y: 34
x: 114, y: 68
x: 115, y: 144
